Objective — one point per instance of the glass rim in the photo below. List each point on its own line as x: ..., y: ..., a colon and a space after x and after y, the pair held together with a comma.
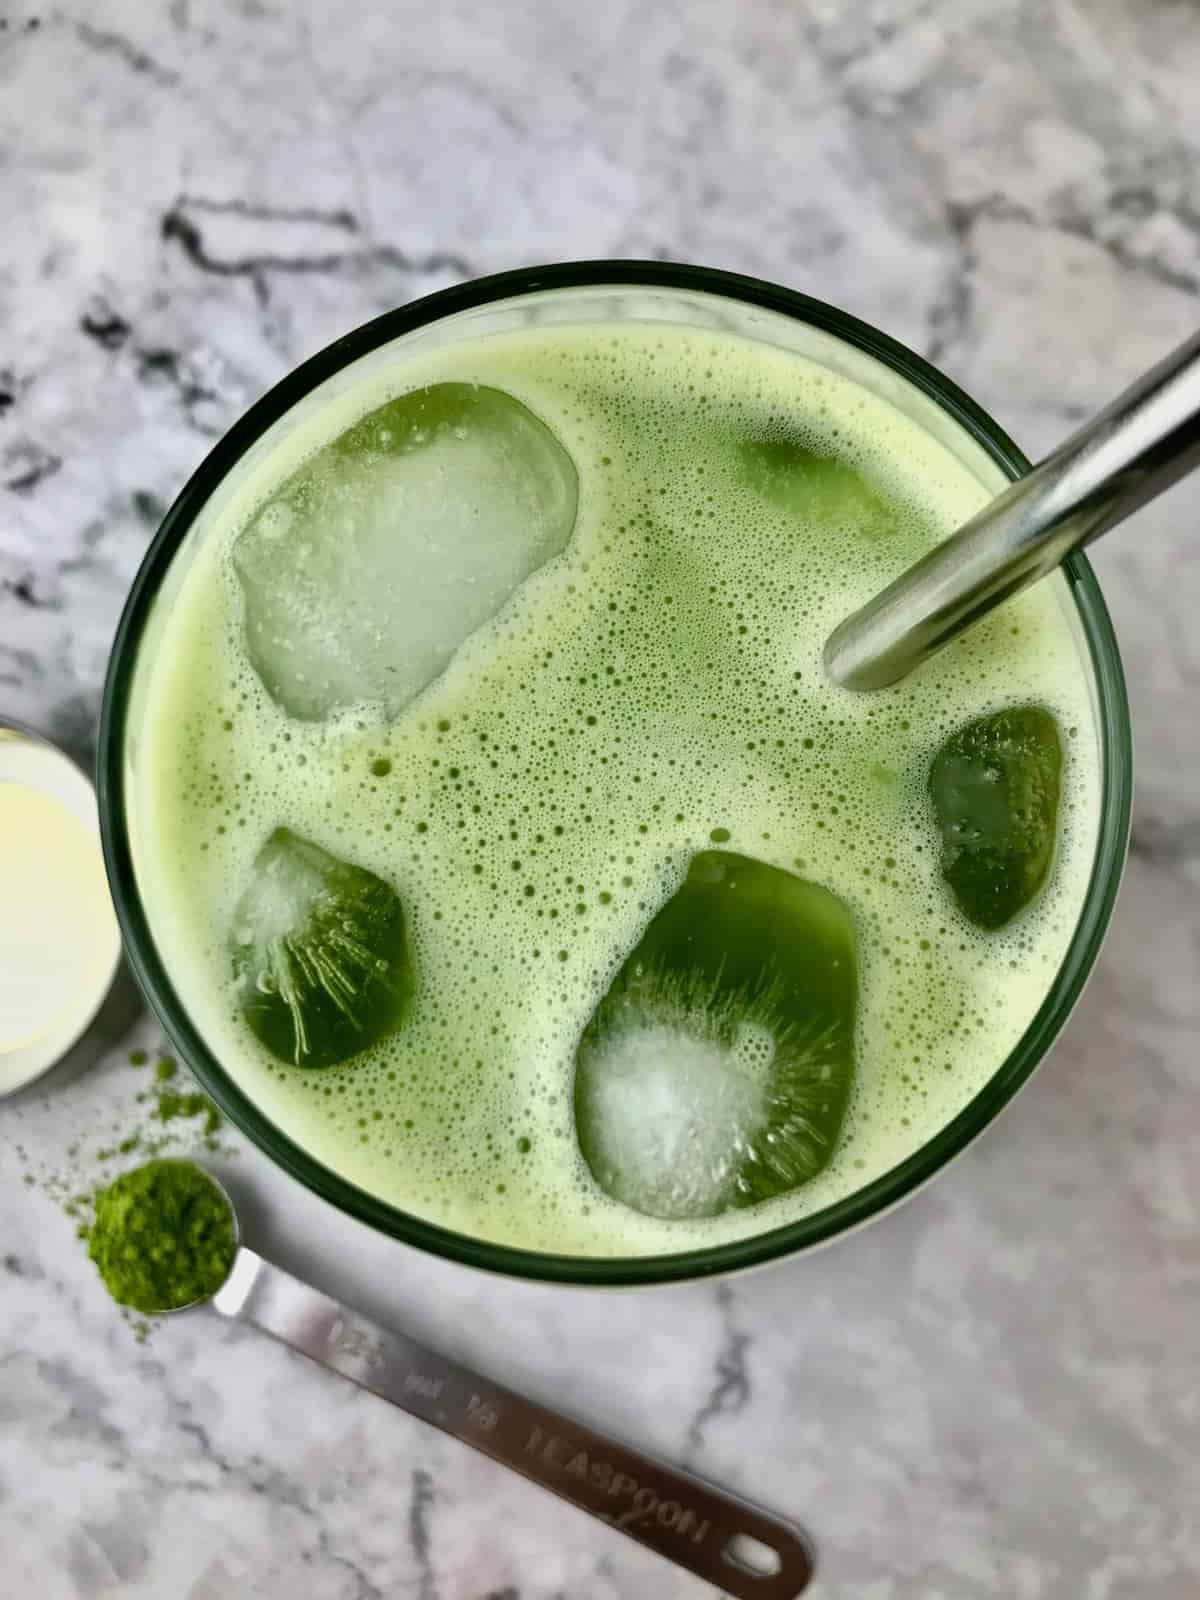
x: 821, y: 1226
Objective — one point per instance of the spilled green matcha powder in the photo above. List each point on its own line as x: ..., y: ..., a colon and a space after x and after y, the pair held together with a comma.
x: 166, y: 1103
x: 162, y: 1236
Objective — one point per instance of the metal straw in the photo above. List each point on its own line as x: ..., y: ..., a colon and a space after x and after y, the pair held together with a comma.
x: 1137, y: 447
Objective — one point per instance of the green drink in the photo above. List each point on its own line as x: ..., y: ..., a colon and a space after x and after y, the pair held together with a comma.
x: 505, y: 841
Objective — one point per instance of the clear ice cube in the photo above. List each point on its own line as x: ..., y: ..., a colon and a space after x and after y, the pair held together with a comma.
x: 716, y: 1070
x: 319, y: 953
x: 994, y: 785
x: 380, y: 556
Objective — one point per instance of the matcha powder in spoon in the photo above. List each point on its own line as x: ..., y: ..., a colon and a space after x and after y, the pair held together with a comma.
x: 163, y: 1236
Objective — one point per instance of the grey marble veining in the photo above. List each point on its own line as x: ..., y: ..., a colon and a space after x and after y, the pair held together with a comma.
x: 994, y: 1392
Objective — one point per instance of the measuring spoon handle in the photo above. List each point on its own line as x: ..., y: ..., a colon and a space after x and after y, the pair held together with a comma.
x: 726, y: 1541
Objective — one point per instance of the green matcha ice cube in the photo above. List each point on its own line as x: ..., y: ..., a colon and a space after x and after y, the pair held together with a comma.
x: 716, y: 1070
x: 319, y: 954
x: 995, y: 785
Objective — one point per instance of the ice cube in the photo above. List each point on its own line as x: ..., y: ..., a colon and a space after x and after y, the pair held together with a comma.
x: 817, y: 486
x: 715, y: 1071
x: 994, y: 785
x: 319, y: 953
x: 378, y: 557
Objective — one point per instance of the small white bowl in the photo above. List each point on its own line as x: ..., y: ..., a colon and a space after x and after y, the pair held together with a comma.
x: 31, y: 761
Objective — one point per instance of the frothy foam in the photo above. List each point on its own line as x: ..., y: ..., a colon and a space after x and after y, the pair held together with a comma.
x: 655, y: 689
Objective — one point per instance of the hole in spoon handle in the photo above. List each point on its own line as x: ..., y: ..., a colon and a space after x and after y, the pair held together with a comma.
x: 751, y: 1555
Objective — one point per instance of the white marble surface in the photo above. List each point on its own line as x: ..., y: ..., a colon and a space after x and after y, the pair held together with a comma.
x: 994, y: 1392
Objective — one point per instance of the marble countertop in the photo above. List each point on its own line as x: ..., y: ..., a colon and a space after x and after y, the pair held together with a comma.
x: 994, y: 1392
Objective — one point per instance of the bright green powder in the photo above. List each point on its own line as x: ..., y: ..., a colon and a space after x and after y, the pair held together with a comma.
x: 163, y: 1236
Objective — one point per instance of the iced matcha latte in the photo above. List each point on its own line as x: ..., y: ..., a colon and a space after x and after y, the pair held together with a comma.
x: 504, y: 839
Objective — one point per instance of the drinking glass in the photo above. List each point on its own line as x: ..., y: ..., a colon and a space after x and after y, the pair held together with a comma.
x: 591, y: 292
